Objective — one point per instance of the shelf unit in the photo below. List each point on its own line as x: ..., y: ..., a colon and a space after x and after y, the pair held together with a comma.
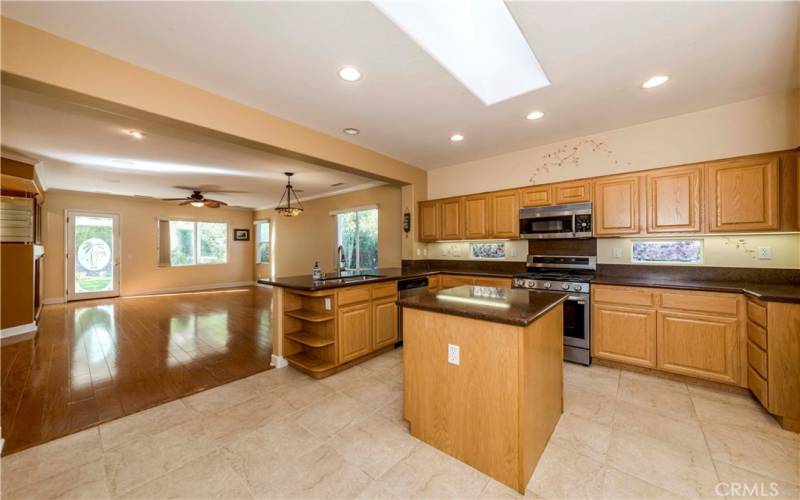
x: 310, y: 330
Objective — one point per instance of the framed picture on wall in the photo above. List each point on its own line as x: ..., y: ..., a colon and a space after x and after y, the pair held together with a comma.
x: 241, y: 234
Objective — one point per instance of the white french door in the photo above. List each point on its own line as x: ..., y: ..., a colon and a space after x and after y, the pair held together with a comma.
x: 92, y: 255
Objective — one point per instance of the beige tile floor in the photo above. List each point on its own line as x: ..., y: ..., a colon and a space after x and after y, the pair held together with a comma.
x: 280, y: 434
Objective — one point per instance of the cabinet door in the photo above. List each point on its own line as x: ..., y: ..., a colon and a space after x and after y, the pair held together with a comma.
x: 742, y: 195
x: 476, y: 216
x: 573, y: 192
x: 616, y: 205
x: 434, y: 283
x: 452, y: 225
x: 449, y: 281
x: 699, y: 345
x: 624, y: 334
x: 673, y: 200
x: 384, y: 323
x: 353, y: 325
x: 429, y: 220
x: 536, y: 196
x: 505, y: 214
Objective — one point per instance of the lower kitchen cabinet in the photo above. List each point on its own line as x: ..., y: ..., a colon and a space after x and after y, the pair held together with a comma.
x: 384, y: 322
x: 452, y: 281
x: 699, y: 345
x: 624, y: 334
x: 353, y: 329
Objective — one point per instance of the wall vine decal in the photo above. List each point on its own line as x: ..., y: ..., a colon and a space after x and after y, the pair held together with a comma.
x: 741, y: 244
x: 571, y: 155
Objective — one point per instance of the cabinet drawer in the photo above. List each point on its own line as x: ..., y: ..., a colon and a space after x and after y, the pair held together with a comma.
x: 624, y: 295
x: 757, y: 359
x: 757, y: 335
x: 454, y: 281
x: 758, y: 386
x: 384, y: 290
x: 493, y: 282
x: 717, y: 304
x: 352, y: 295
x: 757, y: 313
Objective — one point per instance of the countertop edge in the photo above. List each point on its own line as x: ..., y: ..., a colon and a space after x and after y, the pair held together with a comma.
x: 482, y: 316
x: 409, y: 275
x: 748, y: 289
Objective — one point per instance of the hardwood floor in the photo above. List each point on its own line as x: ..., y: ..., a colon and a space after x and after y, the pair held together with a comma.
x: 94, y: 361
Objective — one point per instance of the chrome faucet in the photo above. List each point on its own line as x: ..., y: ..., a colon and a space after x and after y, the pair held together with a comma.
x: 340, y: 263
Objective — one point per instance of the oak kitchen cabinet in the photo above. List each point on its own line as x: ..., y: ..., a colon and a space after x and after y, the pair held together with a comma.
x: 616, y: 205
x: 505, y: 214
x: 384, y: 322
x: 674, y: 200
x: 699, y: 334
x: 743, y: 195
x: 536, y: 196
x: 353, y: 329
x: 452, y: 219
x: 429, y: 220
x: 572, y: 192
x: 477, y: 216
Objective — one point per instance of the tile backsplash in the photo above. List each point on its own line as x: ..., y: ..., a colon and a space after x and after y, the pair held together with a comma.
x: 515, y: 250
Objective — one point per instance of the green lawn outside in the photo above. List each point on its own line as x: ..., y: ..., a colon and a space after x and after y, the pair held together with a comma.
x: 94, y: 283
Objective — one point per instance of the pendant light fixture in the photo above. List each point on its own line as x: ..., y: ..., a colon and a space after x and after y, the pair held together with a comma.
x: 288, y: 209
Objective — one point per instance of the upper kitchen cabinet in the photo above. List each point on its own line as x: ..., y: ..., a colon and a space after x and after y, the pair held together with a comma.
x: 505, y: 214
x: 536, y: 196
x: 452, y: 219
x: 743, y: 195
x: 572, y: 192
x: 476, y: 216
x: 429, y: 220
x: 616, y: 205
x: 674, y: 200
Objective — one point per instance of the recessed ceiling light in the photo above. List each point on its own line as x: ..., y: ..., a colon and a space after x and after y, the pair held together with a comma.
x: 534, y: 115
x: 456, y: 137
x: 350, y: 74
x: 351, y: 131
x: 655, y: 81
x: 135, y: 134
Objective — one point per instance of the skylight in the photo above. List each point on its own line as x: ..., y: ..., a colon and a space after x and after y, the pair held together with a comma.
x: 477, y: 41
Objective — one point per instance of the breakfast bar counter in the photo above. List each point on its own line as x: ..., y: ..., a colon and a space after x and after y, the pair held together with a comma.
x: 483, y: 375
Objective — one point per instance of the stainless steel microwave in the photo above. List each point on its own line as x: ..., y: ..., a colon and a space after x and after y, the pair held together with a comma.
x: 556, y: 221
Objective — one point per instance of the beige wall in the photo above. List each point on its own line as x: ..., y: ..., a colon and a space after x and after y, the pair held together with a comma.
x: 139, y: 270
x: 300, y: 241
x: 735, y: 250
x: 768, y: 123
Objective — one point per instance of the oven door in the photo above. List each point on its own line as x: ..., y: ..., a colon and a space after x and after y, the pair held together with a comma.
x: 576, y: 321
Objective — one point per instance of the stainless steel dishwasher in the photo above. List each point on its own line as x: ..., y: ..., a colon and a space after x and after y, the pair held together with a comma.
x: 407, y: 288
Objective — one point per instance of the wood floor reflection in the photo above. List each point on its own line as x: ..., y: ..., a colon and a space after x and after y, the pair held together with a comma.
x: 94, y: 361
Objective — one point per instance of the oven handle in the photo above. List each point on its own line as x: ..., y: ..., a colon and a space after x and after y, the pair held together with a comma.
x: 577, y: 298
x: 573, y: 224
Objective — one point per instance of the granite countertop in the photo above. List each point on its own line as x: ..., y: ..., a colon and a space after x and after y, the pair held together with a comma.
x: 499, y: 305
x: 305, y: 282
x: 770, y: 292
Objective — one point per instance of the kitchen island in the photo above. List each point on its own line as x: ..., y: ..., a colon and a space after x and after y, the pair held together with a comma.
x: 483, y: 375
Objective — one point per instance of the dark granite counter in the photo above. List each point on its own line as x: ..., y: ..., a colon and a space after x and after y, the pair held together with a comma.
x: 498, y: 305
x: 770, y: 292
x: 374, y: 276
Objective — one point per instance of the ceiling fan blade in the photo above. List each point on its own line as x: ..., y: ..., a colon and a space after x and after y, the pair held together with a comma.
x: 173, y: 199
x: 209, y: 188
x: 186, y: 202
x: 212, y: 203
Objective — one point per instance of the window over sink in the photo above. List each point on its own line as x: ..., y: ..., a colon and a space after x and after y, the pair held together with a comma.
x: 357, y: 234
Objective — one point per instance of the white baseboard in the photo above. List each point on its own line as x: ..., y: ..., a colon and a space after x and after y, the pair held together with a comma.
x: 279, y: 361
x: 54, y: 300
x: 194, y: 288
x: 17, y: 330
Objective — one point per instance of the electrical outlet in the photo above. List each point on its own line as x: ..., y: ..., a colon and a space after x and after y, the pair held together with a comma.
x: 453, y: 354
x: 616, y: 252
x: 444, y: 251
x: 419, y: 252
x: 425, y: 252
x: 456, y: 251
x: 765, y: 253
x: 327, y: 303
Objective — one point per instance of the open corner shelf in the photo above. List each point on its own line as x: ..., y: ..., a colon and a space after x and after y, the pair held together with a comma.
x: 311, y: 316
x: 309, y: 339
x: 310, y: 363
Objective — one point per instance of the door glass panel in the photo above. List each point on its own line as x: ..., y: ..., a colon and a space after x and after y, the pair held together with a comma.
x: 94, y: 254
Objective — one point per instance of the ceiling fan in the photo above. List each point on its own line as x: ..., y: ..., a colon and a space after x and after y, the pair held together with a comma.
x: 196, y: 199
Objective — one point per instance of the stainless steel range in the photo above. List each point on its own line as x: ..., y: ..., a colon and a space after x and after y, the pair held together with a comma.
x: 568, y: 274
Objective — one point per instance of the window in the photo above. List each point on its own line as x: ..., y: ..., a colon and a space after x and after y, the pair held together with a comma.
x: 667, y: 251
x: 188, y: 243
x: 357, y: 233
x: 262, y: 242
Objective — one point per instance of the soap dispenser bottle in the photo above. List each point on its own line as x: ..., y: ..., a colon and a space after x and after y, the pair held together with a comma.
x: 316, y: 272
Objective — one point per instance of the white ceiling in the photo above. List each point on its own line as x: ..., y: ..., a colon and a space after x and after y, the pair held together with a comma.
x: 86, y: 149
x: 283, y: 57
